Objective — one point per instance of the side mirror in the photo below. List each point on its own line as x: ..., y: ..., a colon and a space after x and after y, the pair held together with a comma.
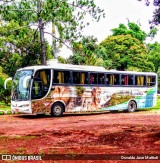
x: 52, y: 88
x: 5, y: 82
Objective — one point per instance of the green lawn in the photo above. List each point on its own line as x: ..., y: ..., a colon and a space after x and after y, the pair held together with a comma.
x: 4, y: 107
x: 157, y: 107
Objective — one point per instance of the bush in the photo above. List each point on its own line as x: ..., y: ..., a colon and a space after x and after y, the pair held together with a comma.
x: 5, y: 94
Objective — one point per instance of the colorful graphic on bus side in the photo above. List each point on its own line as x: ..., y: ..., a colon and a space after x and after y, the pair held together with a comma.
x: 79, y: 99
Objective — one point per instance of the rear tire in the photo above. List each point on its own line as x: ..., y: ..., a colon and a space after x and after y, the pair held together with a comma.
x: 57, y: 110
x: 132, y: 106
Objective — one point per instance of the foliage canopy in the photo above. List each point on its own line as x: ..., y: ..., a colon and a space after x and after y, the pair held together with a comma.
x: 125, y: 52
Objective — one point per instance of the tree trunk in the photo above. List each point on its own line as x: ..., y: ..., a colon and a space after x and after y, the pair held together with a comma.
x: 54, y: 41
x: 41, y: 29
x: 43, y: 47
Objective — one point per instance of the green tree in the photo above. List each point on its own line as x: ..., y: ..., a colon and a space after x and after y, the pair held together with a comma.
x: 125, y: 52
x: 153, y: 32
x: 84, y: 52
x: 61, y: 60
x: 154, y: 55
x: 102, y: 53
x: 67, y: 16
x: 18, y: 47
x: 4, y: 93
x: 133, y: 29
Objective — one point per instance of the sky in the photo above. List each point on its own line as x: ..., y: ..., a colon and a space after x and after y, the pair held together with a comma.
x: 118, y: 11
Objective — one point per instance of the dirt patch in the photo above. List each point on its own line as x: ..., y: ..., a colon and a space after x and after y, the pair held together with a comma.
x: 121, y: 133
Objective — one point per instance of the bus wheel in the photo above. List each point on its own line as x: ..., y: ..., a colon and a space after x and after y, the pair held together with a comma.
x: 57, y: 110
x: 132, y: 106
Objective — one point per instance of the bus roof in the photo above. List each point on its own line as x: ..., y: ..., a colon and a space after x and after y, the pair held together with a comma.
x: 82, y: 68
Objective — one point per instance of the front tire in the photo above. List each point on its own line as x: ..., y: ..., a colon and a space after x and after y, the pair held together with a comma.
x: 132, y: 106
x: 57, y: 110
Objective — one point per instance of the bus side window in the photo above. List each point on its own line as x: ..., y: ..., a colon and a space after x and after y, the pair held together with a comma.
x: 41, y: 83
x: 151, y: 80
x: 140, y: 80
x: 84, y: 78
x: 117, y: 79
x: 55, y: 77
x: 124, y: 79
x: 93, y: 78
x: 107, y: 79
x: 110, y: 79
x: 130, y: 80
x: 67, y: 78
x: 43, y: 77
x: 37, y: 89
x: 113, y: 79
x: 100, y: 78
x: 61, y: 77
x: 127, y: 80
x: 76, y: 77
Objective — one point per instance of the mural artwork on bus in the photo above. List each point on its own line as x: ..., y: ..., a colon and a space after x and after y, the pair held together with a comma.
x: 79, y: 99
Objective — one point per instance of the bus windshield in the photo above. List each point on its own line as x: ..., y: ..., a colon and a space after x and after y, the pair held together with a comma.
x: 21, y: 85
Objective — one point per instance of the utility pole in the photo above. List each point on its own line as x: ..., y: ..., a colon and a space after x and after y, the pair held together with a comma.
x: 41, y: 30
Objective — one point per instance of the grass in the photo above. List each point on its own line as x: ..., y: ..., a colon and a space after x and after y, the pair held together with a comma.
x: 158, y: 104
x: 18, y: 137
x: 4, y: 152
x: 21, y: 150
x: 157, y: 107
x: 4, y: 108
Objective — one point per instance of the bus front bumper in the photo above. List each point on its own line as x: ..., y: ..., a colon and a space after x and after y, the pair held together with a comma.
x: 21, y: 107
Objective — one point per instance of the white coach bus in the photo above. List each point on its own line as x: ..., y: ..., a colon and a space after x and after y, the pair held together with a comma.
x: 60, y: 88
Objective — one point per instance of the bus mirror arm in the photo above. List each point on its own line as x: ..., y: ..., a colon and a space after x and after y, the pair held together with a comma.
x: 5, y: 82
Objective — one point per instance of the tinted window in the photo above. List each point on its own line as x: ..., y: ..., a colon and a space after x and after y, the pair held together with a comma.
x: 93, y: 78
x: 61, y: 77
x: 84, y: 78
x: 41, y: 83
x: 113, y: 79
x: 80, y: 77
x: 151, y: 80
x: 76, y: 77
x: 140, y: 80
x: 101, y: 78
x: 127, y: 80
